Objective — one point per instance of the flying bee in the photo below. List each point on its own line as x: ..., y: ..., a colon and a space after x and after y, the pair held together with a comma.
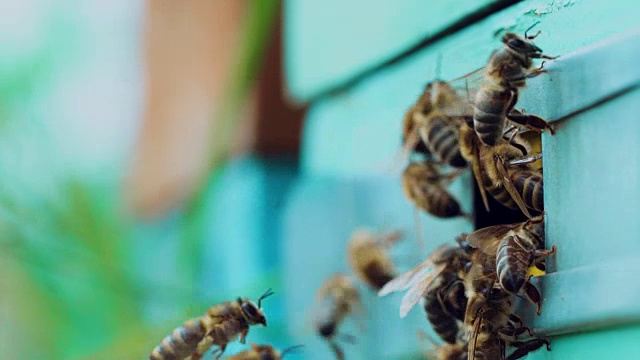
x: 263, y: 352
x: 424, y: 186
x: 368, y: 258
x: 433, y: 274
x: 506, y: 73
x: 435, y: 120
x: 220, y: 325
x: 514, y: 248
x: 338, y: 297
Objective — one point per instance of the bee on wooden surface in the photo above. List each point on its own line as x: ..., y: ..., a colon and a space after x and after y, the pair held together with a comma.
x: 338, y: 297
x: 263, y: 352
x: 220, y: 325
x: 492, y: 326
x: 424, y: 186
x: 508, y: 173
x: 506, y: 73
x: 368, y: 257
x: 432, y: 275
x: 434, y: 119
x: 514, y: 248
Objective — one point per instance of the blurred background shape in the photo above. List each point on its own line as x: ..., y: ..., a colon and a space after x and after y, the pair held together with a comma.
x: 138, y: 146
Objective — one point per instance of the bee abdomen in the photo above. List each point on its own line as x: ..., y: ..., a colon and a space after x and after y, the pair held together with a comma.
x: 443, y: 324
x: 182, y: 342
x: 377, y: 274
x: 442, y: 140
x: 512, y: 265
x: 489, y: 115
x: 529, y: 184
x: 499, y: 193
x: 456, y: 300
x: 440, y: 203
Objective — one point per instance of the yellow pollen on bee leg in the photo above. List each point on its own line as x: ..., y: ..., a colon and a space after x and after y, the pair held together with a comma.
x: 534, y: 271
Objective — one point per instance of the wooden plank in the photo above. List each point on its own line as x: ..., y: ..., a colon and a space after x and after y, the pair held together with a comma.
x: 567, y: 26
x: 591, y: 184
x: 616, y: 343
x: 597, y: 296
x: 373, y: 110
x: 330, y: 41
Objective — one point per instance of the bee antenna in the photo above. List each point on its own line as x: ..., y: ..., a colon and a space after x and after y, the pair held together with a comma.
x: 530, y: 27
x: 264, y: 296
x: 290, y: 349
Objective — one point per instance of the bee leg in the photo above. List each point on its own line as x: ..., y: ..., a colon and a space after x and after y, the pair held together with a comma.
x: 532, y: 294
x: 337, y: 350
x: 243, y: 335
x: 531, y: 121
x: 221, y: 350
x: 512, y: 333
x: 524, y: 348
x: 515, y: 320
x: 526, y: 160
x: 538, y: 254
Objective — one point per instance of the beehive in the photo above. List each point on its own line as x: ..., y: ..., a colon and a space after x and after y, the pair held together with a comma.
x: 361, y: 64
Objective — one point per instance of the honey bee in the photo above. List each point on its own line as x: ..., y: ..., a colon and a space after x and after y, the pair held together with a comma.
x: 263, y: 352
x: 368, y: 257
x: 338, y: 297
x: 424, y: 185
x: 444, y: 306
x: 506, y: 73
x: 435, y: 118
x: 432, y: 275
x: 492, y: 326
x: 510, y: 251
x: 508, y: 174
x: 220, y: 325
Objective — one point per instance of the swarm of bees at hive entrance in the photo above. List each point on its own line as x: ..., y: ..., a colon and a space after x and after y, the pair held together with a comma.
x: 468, y: 289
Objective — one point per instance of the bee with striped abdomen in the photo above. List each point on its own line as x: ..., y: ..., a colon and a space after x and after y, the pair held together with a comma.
x: 492, y: 327
x: 220, y: 325
x: 435, y: 119
x: 514, y: 248
x: 424, y: 186
x: 438, y: 275
x: 263, y: 352
x: 506, y: 73
x: 368, y: 257
x: 508, y: 174
x: 338, y: 297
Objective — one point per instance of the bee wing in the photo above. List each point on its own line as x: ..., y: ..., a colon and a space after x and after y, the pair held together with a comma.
x: 473, y: 338
x: 406, y: 280
x: 477, y: 174
x: 417, y: 291
x: 467, y: 86
x: 508, y: 185
x: 471, y: 79
x: 488, y: 239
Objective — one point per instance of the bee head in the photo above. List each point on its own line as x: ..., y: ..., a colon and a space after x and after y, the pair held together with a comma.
x: 252, y: 312
x: 520, y: 45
